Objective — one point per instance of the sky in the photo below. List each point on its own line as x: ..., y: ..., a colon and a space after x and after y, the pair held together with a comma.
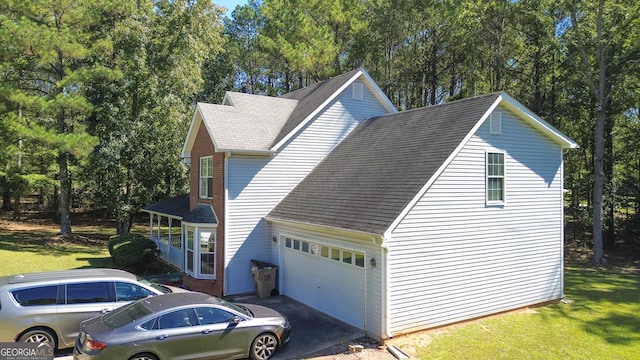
x: 230, y: 4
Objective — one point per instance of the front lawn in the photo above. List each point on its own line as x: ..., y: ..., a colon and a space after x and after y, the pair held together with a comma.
x: 34, y: 245
x: 602, y: 321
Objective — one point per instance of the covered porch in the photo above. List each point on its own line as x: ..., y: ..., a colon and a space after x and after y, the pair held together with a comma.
x: 166, y: 229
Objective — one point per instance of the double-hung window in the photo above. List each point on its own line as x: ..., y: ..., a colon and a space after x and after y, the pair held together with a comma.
x: 206, y: 177
x: 495, y: 178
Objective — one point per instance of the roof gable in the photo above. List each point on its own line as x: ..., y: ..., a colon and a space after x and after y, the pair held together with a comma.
x: 259, y: 124
x: 314, y: 98
x: 249, y: 123
x: 387, y: 162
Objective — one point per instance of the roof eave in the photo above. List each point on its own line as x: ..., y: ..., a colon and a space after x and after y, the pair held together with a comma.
x: 538, y: 123
x: 304, y: 224
x: 246, y: 152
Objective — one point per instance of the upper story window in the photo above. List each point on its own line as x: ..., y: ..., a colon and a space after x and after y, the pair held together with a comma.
x: 206, y: 177
x: 495, y: 178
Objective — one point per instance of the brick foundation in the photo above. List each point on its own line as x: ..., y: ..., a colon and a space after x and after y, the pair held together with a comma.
x: 211, y: 287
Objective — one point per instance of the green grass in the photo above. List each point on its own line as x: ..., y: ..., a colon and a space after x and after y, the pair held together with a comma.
x: 31, y: 251
x: 35, y: 246
x: 602, y: 322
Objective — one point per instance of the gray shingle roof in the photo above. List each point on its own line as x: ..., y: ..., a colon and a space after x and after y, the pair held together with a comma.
x: 176, y: 206
x: 202, y: 214
x: 179, y: 206
x: 257, y: 122
x: 251, y: 123
x: 366, y: 182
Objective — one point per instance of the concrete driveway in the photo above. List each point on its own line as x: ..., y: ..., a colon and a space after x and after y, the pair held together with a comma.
x: 311, y: 330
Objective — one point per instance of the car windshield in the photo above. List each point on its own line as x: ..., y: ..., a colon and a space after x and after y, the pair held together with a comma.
x: 159, y: 287
x: 240, y: 309
x: 125, y: 315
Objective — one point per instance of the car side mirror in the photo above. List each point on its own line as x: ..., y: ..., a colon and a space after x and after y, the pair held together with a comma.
x: 236, y: 319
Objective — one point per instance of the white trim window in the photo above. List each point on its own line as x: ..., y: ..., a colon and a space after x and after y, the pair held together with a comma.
x: 206, y: 177
x: 208, y: 253
x: 189, y: 254
x: 495, y: 178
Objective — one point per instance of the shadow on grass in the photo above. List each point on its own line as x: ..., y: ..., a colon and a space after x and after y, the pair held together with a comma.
x: 97, y: 262
x: 605, y: 304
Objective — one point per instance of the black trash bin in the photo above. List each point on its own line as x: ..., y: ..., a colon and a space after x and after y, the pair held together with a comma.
x: 264, y: 277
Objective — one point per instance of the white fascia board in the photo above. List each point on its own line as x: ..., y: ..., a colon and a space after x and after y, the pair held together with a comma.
x: 436, y: 175
x: 378, y: 92
x: 246, y: 152
x: 537, y: 122
x: 317, y: 227
x: 226, y: 100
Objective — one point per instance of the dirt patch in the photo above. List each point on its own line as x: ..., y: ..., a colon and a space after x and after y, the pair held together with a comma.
x: 65, y: 240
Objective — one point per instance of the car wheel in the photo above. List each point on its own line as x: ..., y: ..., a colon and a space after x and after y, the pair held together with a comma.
x: 263, y: 347
x: 143, y: 357
x: 39, y: 335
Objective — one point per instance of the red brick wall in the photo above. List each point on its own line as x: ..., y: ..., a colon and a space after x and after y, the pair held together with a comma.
x: 203, y: 146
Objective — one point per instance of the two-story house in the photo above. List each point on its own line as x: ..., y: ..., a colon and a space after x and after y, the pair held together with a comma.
x: 390, y: 221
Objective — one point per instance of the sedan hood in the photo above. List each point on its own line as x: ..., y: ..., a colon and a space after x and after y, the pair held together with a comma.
x: 259, y: 311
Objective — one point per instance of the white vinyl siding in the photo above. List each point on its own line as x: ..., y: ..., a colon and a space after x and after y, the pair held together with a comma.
x: 455, y: 258
x: 256, y: 184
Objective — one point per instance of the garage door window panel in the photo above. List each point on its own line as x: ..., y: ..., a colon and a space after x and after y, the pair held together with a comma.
x: 349, y: 257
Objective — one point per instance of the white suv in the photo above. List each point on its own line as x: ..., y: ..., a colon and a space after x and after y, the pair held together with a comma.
x: 49, y: 306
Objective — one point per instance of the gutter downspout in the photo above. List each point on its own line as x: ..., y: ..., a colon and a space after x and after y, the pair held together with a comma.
x: 227, y: 155
x: 384, y: 251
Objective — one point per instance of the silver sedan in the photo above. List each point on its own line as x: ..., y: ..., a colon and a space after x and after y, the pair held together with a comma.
x: 183, y: 326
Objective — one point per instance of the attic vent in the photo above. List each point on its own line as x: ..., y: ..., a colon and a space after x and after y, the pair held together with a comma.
x: 357, y: 91
x: 495, y: 123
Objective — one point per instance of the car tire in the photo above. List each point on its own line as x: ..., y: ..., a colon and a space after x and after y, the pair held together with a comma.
x: 263, y: 346
x: 39, y: 335
x: 143, y: 357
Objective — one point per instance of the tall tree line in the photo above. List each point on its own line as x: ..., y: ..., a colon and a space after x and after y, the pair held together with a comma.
x: 96, y: 96
x: 573, y: 62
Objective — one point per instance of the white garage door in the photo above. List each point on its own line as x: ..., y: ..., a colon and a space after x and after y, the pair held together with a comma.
x: 330, y: 279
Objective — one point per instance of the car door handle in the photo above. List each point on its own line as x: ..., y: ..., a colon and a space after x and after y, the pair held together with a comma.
x: 104, y: 311
x: 162, y: 337
x: 208, y: 331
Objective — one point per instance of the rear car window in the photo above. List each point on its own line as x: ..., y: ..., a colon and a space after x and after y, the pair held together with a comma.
x: 41, y: 295
x: 126, y: 314
x: 93, y: 292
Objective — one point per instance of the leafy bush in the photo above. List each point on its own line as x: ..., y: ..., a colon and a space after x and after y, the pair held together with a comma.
x: 133, y: 252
